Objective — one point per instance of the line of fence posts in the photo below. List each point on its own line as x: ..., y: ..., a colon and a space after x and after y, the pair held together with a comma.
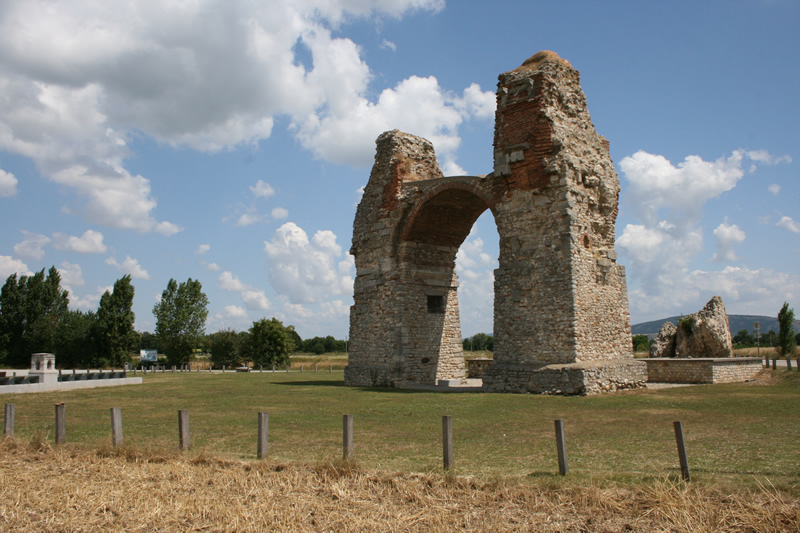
x: 348, y: 447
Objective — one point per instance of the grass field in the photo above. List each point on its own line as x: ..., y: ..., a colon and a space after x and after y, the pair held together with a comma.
x: 736, y: 435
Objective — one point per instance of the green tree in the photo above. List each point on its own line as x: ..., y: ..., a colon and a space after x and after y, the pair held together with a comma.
x: 31, y: 309
x: 786, y: 340
x: 479, y: 342
x: 225, y: 348
x: 181, y: 319
x: 743, y: 339
x: 298, y: 342
x: 270, y: 343
x: 641, y: 343
x: 115, y: 335
x: 76, y: 346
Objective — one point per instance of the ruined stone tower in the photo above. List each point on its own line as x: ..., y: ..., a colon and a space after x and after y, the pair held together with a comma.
x: 561, y: 320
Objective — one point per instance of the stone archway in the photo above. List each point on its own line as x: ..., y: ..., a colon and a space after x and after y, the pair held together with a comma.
x: 561, y: 321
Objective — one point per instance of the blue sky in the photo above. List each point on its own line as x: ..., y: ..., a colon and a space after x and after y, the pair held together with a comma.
x: 228, y: 141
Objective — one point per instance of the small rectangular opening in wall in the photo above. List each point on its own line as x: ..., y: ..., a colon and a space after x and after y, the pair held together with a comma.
x: 435, y: 304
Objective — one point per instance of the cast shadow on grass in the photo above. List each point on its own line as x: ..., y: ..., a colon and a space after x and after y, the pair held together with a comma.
x: 363, y: 389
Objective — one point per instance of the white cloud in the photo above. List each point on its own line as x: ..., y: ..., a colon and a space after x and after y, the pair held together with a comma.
x: 8, y: 184
x: 9, y: 265
x: 71, y: 275
x: 775, y: 189
x: 389, y: 45
x: 234, y: 311
x: 475, y: 270
x: 253, y: 298
x: 78, y: 80
x: 249, y: 218
x: 202, y: 249
x: 129, y: 266
x: 229, y: 282
x: 727, y: 235
x: 306, y: 271
x: 346, y: 131
x: 789, y: 223
x: 279, y: 213
x: 91, y: 242
x: 655, y: 184
x: 91, y: 301
x: 32, y: 247
x: 211, y: 267
x: 262, y: 189
x: 762, y: 156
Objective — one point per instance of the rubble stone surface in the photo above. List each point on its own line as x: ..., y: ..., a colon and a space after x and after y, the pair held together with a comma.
x: 705, y: 333
x: 664, y: 343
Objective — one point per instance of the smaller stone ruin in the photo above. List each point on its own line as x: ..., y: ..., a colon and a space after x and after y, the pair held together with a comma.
x: 705, y: 334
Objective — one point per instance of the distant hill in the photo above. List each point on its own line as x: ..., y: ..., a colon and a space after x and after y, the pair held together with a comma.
x: 737, y: 323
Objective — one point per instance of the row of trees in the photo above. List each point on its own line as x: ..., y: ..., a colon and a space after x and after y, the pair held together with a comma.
x: 478, y: 343
x: 35, y: 317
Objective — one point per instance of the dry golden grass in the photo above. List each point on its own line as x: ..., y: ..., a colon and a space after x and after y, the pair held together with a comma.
x: 72, y: 489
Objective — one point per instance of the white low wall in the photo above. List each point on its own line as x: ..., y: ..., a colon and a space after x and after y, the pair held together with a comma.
x: 67, y: 385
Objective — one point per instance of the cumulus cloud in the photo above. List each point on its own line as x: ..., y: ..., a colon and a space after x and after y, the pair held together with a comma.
x: 202, y: 249
x: 78, y: 80
x: 89, y: 302
x: 789, y: 223
x: 91, y: 242
x: 234, y: 311
x: 279, y: 213
x: 32, y: 247
x: 129, y: 266
x: 8, y: 184
x: 253, y: 298
x: 71, y: 275
x: 262, y: 189
x: 475, y: 268
x: 306, y: 271
x: 229, y: 282
x: 9, y: 265
x: 775, y: 189
x: 668, y: 200
x: 727, y: 235
x: 211, y: 267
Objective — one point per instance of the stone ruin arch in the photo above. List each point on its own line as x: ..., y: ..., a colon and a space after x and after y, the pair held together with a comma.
x: 561, y: 319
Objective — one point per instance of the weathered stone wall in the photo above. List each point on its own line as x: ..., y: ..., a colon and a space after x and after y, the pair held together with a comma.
x: 560, y: 298
x: 703, y: 370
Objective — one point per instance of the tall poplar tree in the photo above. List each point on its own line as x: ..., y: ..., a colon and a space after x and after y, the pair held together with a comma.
x: 31, y: 310
x: 115, y: 335
x: 786, y: 341
x: 181, y: 319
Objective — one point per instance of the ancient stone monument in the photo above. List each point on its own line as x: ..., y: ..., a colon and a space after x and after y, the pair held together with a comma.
x: 561, y: 319
x: 702, y: 334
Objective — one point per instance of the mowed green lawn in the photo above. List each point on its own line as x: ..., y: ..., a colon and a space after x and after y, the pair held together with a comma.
x: 744, y: 434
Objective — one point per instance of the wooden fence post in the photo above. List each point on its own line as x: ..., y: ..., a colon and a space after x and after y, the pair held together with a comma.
x: 183, y: 428
x: 561, y: 447
x: 61, y: 426
x: 116, y: 426
x: 263, y: 435
x: 789, y: 364
x: 330, y: 370
x: 775, y: 363
x: 682, y: 451
x: 8, y: 421
x: 347, y: 437
x: 447, y: 441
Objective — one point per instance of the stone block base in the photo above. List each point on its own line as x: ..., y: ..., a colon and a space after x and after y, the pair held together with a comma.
x: 368, y: 376
x: 703, y: 370
x: 569, y: 379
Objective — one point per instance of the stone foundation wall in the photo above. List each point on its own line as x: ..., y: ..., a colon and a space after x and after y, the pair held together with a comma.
x: 723, y: 370
x: 571, y: 379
